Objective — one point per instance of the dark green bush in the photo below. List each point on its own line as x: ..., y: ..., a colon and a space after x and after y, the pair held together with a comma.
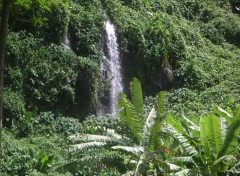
x: 86, y: 28
x: 13, y: 107
x: 43, y: 18
x: 45, y: 75
x: 36, y: 155
x: 48, y: 123
x: 98, y: 125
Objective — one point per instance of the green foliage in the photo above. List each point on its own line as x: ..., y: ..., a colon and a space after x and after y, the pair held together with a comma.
x: 44, y: 18
x: 198, y: 39
x: 213, y: 146
x: 86, y: 26
x: 188, y: 34
x: 137, y: 95
x: 144, y: 143
x: 23, y: 125
x: 36, y: 155
x: 48, y: 123
x: 46, y: 74
x: 89, y: 87
x: 13, y: 107
x: 95, y: 125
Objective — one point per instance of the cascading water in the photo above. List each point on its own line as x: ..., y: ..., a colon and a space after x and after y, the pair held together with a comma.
x: 67, y: 41
x: 111, y: 67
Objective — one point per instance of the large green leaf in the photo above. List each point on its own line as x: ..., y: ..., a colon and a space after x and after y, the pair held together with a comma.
x: 133, y: 150
x: 87, y: 145
x: 155, y: 138
x: 149, y: 124
x: 222, y: 164
x: 129, y: 115
x: 161, y: 104
x: 100, y: 138
x: 203, y: 136
x: 175, y: 127
x: 237, y: 116
x: 211, y: 136
x: 137, y: 98
x: 231, y: 141
x: 221, y: 112
x: 214, y: 133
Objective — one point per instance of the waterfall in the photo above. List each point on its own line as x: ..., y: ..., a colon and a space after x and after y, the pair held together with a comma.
x: 111, y: 67
x: 67, y: 41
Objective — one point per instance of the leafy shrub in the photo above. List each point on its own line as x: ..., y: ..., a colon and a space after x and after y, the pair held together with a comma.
x: 36, y: 155
x: 45, y: 74
x: 89, y: 87
x: 43, y: 18
x: 86, y: 27
x: 49, y: 123
x: 13, y: 107
x: 98, y: 125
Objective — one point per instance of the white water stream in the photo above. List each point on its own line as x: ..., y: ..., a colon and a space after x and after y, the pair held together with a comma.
x: 112, y: 66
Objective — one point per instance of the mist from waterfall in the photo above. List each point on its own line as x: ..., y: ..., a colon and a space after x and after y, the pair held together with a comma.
x: 111, y: 67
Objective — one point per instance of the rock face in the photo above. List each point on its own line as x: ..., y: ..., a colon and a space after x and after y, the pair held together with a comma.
x: 164, y: 79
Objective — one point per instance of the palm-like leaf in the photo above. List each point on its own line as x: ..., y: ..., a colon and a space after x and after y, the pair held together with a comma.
x: 142, y: 166
x: 175, y: 127
x: 186, y: 172
x: 156, y: 128
x: 130, y: 116
x: 211, y: 134
x: 133, y: 150
x: 222, y: 113
x: 100, y: 138
x: 147, y: 128
x: 137, y: 98
x: 161, y: 104
x: 218, y: 141
x: 105, y: 158
x: 86, y: 145
x: 231, y: 141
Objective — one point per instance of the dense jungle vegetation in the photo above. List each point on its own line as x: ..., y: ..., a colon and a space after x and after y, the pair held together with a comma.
x: 186, y: 122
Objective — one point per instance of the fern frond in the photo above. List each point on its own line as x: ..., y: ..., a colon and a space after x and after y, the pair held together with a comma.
x: 86, y: 145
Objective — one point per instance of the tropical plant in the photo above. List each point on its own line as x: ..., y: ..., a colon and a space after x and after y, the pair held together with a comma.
x: 145, y: 143
x: 210, y: 148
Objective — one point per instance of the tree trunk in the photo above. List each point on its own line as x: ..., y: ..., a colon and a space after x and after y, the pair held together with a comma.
x: 3, y: 38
